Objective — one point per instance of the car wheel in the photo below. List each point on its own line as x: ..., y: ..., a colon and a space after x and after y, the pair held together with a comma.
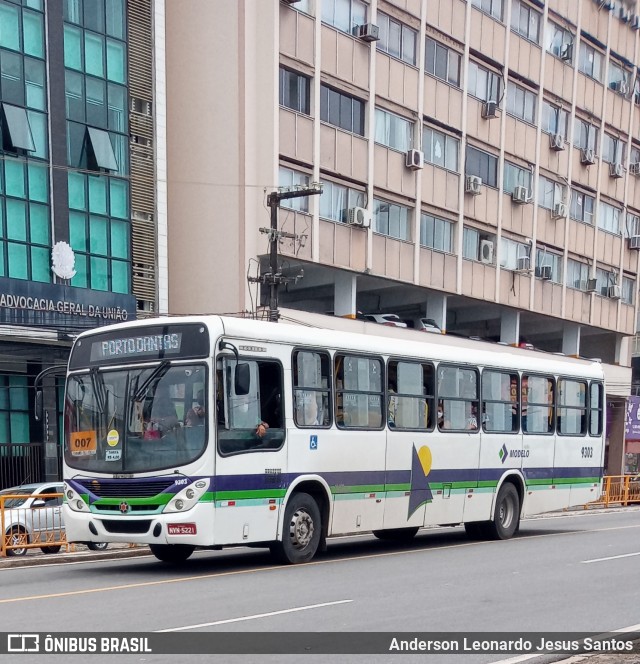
x: 17, y: 536
x: 97, y: 546
x: 50, y: 549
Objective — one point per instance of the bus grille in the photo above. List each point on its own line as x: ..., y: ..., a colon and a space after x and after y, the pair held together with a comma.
x: 128, y: 488
x: 127, y: 526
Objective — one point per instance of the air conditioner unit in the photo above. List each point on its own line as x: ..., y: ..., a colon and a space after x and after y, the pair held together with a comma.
x: 415, y: 159
x: 616, y: 170
x: 614, y: 292
x: 358, y: 216
x: 490, y: 110
x: 592, y: 285
x: 544, y: 272
x: 556, y: 142
x: 567, y: 53
x: 635, y: 22
x: 620, y: 86
x: 634, y: 242
x: 588, y: 156
x: 559, y: 211
x: 634, y: 168
x: 486, y: 251
x: 368, y: 32
x: 523, y: 264
x: 520, y: 195
x: 473, y: 185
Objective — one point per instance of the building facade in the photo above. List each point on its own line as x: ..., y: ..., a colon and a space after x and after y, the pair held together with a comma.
x: 77, y: 197
x: 480, y: 162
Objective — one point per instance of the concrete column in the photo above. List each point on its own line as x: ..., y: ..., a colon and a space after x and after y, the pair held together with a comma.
x: 344, y: 295
x: 436, y: 308
x: 571, y: 339
x: 510, y: 327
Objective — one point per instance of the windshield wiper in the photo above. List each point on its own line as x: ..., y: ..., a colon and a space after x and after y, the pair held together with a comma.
x: 97, y: 383
x: 156, y: 374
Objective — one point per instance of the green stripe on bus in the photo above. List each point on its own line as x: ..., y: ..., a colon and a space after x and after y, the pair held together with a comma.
x: 249, y: 495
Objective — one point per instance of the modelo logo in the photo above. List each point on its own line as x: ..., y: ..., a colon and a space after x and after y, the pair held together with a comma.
x: 522, y: 454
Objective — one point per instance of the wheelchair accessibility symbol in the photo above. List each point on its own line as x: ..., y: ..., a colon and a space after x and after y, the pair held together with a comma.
x: 313, y: 442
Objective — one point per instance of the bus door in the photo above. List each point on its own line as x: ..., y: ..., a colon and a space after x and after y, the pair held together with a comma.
x: 538, y: 444
x: 251, y: 458
x: 411, y: 419
x: 578, y: 458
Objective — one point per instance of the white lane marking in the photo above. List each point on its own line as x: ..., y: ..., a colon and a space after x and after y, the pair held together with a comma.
x: 524, y: 658
x: 599, y: 560
x: 257, y: 615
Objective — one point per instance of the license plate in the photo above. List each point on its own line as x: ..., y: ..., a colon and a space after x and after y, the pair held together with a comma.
x: 181, y: 528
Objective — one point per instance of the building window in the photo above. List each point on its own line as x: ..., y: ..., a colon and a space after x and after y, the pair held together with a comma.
x: 344, y: 14
x: 511, y: 251
x: 294, y: 90
x: 482, y: 164
x: 483, y: 83
x: 632, y: 226
x: 577, y: 274
x: 559, y: 41
x: 590, y: 61
x: 391, y: 219
x: 554, y: 119
x: 442, y: 62
x: 613, y: 149
x: 440, y: 149
x: 618, y: 77
x: 436, y: 233
x: 491, y: 7
x: 336, y: 200
x: 341, y: 110
x: 609, y: 218
x: 549, y: 193
x: 477, y: 246
x: 525, y: 21
x: 582, y: 206
x: 14, y: 408
x: 392, y: 130
x: 545, y: 258
x: 634, y: 155
x: 604, y: 279
x: 521, y: 103
x: 396, y: 39
x: 287, y: 177
x: 515, y: 176
x: 627, y: 290
x: 585, y: 135
x: 16, y: 134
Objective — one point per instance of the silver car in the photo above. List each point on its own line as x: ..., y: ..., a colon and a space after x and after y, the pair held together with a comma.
x: 34, y: 516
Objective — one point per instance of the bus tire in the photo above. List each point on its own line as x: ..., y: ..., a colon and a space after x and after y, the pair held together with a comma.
x: 506, y: 517
x: 397, y: 534
x: 301, y: 532
x: 172, y: 553
x: 17, y: 535
x: 50, y: 549
x: 97, y: 546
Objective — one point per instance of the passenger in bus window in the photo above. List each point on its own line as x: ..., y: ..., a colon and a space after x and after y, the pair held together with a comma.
x: 162, y: 418
x: 195, y: 415
x: 472, y: 420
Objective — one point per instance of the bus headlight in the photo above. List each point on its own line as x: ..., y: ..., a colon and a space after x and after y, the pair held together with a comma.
x: 75, y: 500
x: 187, y: 497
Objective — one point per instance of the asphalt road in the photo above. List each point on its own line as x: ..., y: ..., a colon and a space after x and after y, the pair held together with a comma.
x: 565, y: 573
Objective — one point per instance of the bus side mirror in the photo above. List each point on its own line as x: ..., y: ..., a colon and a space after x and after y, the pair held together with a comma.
x: 38, y: 406
x: 242, y: 379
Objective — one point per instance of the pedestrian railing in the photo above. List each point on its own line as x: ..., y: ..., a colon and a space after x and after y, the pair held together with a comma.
x: 619, y: 490
x: 31, y: 522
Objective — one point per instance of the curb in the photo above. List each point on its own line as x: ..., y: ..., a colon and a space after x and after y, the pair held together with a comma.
x: 73, y: 557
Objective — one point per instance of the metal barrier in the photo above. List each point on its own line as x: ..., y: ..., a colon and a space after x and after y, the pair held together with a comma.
x: 619, y: 490
x: 31, y: 522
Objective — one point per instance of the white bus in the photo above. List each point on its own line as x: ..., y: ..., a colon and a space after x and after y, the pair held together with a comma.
x: 219, y: 431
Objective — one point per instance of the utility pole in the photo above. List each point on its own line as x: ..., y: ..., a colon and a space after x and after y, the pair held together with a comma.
x: 274, y: 277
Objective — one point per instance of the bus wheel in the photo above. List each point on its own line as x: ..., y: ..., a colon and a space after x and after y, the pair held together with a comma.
x: 506, y: 519
x: 50, y: 549
x: 397, y: 534
x: 171, y: 553
x: 301, y: 531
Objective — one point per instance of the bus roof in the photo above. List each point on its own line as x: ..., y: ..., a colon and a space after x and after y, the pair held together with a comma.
x: 306, y: 329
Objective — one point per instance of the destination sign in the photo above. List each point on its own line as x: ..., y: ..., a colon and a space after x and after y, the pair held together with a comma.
x: 143, y: 345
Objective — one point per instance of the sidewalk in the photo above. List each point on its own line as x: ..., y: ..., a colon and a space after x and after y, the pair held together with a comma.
x: 76, y: 553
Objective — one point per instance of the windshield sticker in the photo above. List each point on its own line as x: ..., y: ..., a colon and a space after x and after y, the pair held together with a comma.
x: 113, y: 438
x: 112, y: 455
x: 83, y: 443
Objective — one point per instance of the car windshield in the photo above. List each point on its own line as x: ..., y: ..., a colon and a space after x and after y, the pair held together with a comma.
x: 15, y: 502
x: 134, y: 420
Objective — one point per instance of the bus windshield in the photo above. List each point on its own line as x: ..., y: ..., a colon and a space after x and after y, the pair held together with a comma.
x: 136, y: 420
